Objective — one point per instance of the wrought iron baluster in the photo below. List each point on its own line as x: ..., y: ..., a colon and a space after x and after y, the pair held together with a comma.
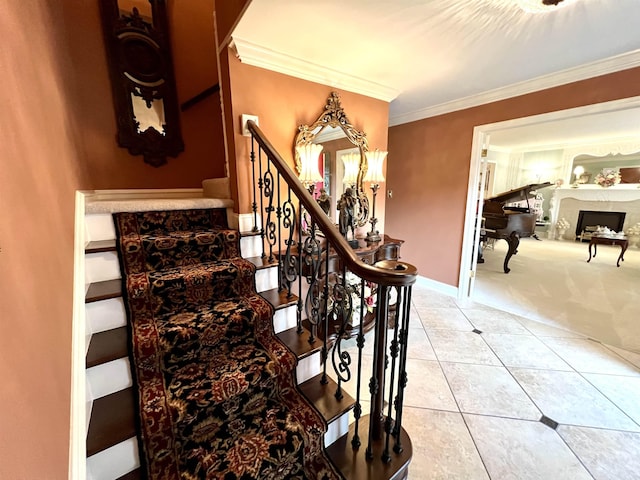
x: 342, y: 310
x: 357, y: 410
x: 402, y: 368
x: 278, y: 240
x: 270, y: 225
x: 300, y: 274
x: 325, y: 315
x: 289, y: 262
x: 388, y: 423
x: 261, y: 188
x: 376, y: 384
x: 312, y: 252
x: 254, y: 204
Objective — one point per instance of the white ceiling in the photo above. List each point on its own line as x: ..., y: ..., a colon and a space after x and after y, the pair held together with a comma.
x: 432, y: 56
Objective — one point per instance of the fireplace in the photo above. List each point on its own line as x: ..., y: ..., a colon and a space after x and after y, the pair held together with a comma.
x: 589, y: 221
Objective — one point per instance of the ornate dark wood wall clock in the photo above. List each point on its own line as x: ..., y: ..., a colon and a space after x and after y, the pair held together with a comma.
x: 140, y: 65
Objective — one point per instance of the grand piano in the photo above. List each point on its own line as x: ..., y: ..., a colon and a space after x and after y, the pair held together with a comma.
x: 509, y: 222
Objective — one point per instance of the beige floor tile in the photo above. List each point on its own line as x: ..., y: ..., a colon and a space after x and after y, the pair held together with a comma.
x: 567, y: 398
x: 590, y: 357
x: 623, y: 391
x: 523, y: 450
x: 495, y: 321
x: 545, y: 330
x: 419, y: 346
x: 464, y: 347
x: 442, y: 447
x: 488, y: 390
x: 631, y: 357
x: 423, y: 297
x: 524, y: 351
x: 427, y: 387
x: 444, y: 318
x: 607, y: 454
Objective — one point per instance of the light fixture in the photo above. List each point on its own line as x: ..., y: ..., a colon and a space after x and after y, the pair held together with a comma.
x: 543, y: 6
x: 374, y: 175
x: 309, y: 174
x: 351, y: 163
x: 577, y: 173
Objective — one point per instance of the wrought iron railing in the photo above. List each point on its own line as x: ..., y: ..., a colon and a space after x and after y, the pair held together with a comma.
x: 331, y: 282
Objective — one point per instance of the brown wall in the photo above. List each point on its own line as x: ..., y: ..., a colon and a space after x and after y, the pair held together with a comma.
x: 57, y: 135
x: 108, y: 166
x: 282, y: 103
x: 228, y: 12
x: 429, y: 168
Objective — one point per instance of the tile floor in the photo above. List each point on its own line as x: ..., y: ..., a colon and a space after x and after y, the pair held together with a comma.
x: 475, y: 401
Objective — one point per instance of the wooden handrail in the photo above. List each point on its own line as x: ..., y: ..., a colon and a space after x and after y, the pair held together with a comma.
x: 199, y: 97
x: 387, y: 273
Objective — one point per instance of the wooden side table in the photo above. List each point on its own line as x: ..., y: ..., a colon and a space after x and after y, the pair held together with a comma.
x: 623, y: 242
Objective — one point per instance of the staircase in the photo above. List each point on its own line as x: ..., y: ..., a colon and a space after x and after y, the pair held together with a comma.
x: 112, y: 448
x: 313, y: 313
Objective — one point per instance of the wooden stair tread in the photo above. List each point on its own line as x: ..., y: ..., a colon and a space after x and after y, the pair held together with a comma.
x: 261, y: 262
x: 100, y: 246
x: 279, y: 299
x: 112, y: 421
x: 353, y: 464
x: 323, y: 397
x: 107, y: 346
x: 104, y: 290
x: 250, y: 233
x: 298, y: 343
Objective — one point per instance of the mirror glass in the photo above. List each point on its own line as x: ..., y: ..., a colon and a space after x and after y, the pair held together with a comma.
x: 627, y: 165
x: 338, y: 137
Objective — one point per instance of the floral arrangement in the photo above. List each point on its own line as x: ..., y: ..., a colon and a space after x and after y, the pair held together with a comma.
x: 562, y: 224
x: 369, y: 294
x: 608, y: 177
x: 353, y: 285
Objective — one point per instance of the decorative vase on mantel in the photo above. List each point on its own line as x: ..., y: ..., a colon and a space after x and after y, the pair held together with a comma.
x: 608, y: 177
x: 561, y: 227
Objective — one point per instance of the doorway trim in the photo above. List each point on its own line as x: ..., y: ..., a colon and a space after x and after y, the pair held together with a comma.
x: 477, y: 169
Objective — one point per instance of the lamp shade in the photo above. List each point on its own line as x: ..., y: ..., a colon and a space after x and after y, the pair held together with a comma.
x: 374, y: 167
x: 309, y: 154
x: 579, y: 170
x: 351, y: 163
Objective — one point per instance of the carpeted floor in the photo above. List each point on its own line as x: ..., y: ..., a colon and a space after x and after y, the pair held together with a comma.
x: 551, y: 281
x: 216, y: 388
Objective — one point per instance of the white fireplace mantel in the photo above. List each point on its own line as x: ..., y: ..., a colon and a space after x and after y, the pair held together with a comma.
x: 592, y: 193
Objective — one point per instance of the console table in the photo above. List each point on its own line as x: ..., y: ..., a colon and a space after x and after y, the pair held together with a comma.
x: 623, y: 242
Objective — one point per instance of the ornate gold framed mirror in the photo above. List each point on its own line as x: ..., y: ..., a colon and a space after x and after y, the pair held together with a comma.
x: 330, y: 128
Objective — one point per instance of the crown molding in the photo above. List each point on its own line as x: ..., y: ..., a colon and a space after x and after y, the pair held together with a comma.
x: 257, y: 56
x: 582, y: 72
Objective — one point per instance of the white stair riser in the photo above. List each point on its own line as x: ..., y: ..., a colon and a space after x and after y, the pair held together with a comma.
x: 337, y: 428
x: 99, y: 226
x: 251, y: 246
x: 284, y: 319
x: 109, y: 377
x: 101, y: 266
x: 308, y: 367
x: 266, y: 279
x: 114, y: 462
x: 105, y: 315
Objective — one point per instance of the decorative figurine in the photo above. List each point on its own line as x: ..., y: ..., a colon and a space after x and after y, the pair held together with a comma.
x: 324, y: 201
x: 346, y: 206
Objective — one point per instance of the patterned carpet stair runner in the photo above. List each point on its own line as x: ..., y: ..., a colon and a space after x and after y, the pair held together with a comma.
x: 215, y: 387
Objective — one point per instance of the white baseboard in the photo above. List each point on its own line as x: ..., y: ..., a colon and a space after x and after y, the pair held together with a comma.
x: 437, y: 286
